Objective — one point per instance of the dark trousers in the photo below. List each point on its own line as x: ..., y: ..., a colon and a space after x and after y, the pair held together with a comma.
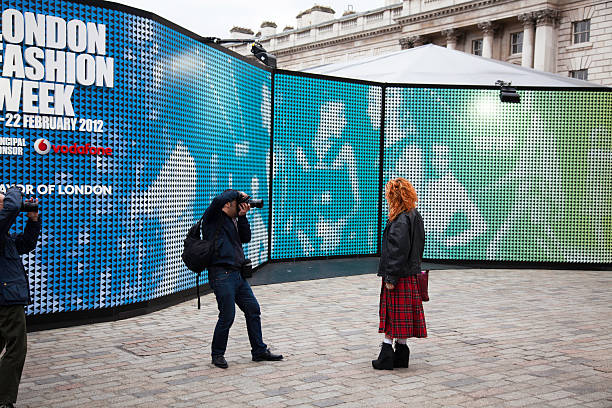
x: 230, y: 290
x: 13, y: 337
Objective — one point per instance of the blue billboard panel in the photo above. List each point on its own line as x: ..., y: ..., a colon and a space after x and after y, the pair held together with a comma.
x: 125, y: 129
x: 326, y: 167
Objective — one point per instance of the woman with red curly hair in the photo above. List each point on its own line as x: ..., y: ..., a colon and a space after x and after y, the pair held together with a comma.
x: 401, y: 307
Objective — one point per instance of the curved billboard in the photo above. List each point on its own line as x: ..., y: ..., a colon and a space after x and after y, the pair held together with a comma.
x: 126, y: 126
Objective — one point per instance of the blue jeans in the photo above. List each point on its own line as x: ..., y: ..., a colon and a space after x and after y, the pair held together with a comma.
x: 230, y: 290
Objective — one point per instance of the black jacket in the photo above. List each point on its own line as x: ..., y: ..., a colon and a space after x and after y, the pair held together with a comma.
x: 14, y: 283
x: 402, y: 247
x: 229, y: 253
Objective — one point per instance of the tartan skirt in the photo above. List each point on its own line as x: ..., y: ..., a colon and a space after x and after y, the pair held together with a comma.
x: 401, y: 310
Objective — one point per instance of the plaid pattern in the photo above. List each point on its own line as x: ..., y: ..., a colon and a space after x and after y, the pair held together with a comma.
x: 401, y: 310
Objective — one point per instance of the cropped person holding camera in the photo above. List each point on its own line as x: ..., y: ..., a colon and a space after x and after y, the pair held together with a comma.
x: 14, y: 290
x: 225, y: 223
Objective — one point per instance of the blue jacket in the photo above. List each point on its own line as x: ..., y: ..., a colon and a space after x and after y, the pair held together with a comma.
x: 14, y: 283
x: 229, y: 253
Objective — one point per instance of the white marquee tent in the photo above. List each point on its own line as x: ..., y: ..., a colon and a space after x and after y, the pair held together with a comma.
x: 432, y: 64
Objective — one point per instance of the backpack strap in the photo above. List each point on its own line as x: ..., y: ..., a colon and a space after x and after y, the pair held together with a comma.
x: 214, y: 243
x: 200, y: 227
x: 198, y: 289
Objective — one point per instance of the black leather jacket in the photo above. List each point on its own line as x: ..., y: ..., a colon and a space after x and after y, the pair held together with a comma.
x: 402, y: 247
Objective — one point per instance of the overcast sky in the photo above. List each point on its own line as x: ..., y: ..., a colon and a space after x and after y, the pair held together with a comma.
x: 216, y: 18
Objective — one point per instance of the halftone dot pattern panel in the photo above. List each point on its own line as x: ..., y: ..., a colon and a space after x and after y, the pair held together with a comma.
x: 326, y: 168
x: 184, y: 122
x: 500, y: 181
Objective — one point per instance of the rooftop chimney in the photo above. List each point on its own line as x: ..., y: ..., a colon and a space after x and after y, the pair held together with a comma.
x: 315, y: 15
x: 268, y: 28
x: 240, y: 32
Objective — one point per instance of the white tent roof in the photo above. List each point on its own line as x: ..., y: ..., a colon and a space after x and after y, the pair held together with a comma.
x: 432, y: 64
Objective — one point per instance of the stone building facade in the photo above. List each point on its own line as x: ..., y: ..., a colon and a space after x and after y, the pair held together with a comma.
x: 567, y: 37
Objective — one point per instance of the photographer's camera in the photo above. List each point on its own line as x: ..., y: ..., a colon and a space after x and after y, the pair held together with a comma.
x: 28, y: 206
x: 251, y: 201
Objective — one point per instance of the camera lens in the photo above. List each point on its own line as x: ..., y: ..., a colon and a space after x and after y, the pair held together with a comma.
x: 256, y: 203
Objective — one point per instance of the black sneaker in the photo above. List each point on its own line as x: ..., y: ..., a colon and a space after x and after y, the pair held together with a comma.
x: 219, y: 361
x: 267, y: 356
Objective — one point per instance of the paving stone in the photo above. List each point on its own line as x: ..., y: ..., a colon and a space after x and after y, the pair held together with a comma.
x: 462, y: 382
x: 279, y: 391
x: 525, y: 402
x: 565, y: 402
x: 265, y: 402
x: 181, y: 367
x: 328, y: 402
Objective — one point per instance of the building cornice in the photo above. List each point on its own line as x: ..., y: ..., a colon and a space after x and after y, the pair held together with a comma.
x: 346, y: 17
x: 443, y: 12
x: 336, y: 40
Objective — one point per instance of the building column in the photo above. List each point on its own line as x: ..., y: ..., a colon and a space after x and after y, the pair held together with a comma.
x: 451, y: 38
x: 412, y: 41
x: 544, y: 54
x: 488, y: 30
x: 528, y: 20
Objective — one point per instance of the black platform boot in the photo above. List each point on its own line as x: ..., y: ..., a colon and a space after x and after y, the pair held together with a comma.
x: 401, y: 355
x: 385, y: 358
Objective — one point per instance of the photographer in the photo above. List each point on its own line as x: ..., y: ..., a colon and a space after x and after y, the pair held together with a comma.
x: 226, y: 223
x: 14, y: 291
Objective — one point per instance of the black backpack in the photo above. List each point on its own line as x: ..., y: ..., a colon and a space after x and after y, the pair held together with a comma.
x: 197, y: 252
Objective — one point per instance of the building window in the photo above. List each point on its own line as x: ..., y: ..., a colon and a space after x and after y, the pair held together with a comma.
x: 282, y: 39
x: 374, y: 17
x: 477, y: 47
x: 580, y: 74
x: 349, y: 23
x: 516, y: 43
x: 582, y: 31
x: 303, y: 34
x: 326, y: 28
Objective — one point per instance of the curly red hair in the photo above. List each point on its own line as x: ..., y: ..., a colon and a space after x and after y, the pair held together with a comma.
x: 401, y: 197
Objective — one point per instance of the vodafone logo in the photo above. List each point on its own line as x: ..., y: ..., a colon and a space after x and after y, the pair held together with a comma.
x: 42, y: 146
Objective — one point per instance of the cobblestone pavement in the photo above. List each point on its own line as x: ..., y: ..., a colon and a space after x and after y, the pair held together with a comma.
x: 496, y: 338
